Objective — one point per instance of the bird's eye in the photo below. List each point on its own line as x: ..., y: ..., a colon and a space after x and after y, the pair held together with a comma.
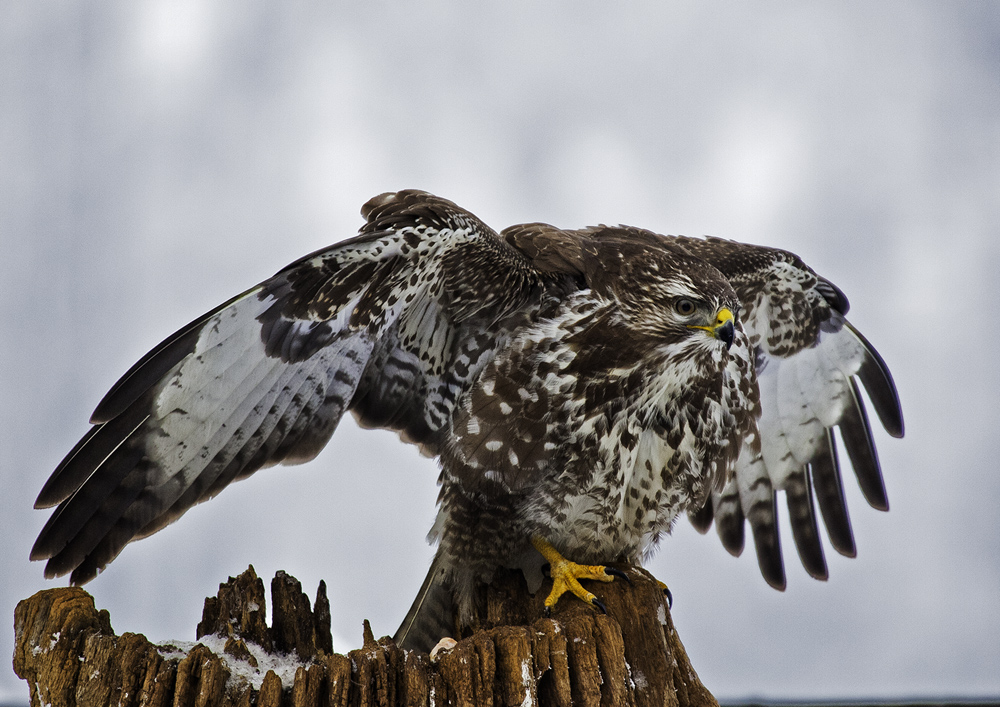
x: 684, y: 307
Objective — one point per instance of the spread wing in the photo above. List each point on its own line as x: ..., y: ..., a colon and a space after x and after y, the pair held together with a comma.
x: 391, y: 325
x: 809, y: 360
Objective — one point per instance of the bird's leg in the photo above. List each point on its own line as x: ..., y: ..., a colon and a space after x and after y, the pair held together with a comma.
x: 566, y: 575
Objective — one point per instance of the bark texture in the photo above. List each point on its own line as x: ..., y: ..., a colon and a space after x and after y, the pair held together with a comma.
x: 69, y: 655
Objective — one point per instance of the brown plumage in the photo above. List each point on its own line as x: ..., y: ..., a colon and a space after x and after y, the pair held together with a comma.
x: 584, y: 387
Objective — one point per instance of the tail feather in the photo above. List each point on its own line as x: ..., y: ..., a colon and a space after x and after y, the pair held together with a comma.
x: 431, y: 617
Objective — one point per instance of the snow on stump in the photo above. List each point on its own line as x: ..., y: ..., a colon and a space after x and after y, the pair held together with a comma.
x: 68, y: 653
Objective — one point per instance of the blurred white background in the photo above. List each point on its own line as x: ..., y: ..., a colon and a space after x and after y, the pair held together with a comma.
x: 157, y: 157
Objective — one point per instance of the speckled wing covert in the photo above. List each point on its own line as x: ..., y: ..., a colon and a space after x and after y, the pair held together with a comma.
x: 809, y: 360
x: 391, y: 324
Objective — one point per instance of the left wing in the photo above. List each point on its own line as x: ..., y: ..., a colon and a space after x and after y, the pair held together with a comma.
x: 391, y: 324
x: 809, y: 360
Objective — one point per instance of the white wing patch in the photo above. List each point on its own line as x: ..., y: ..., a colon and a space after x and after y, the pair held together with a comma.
x: 802, y: 396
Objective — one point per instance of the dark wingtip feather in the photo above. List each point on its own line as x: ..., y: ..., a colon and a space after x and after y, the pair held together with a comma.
x: 829, y: 489
x: 856, y: 433
x: 41, y: 551
x: 729, y: 522
x: 702, y: 519
x: 772, y: 567
x: 103, y: 552
x: 89, y: 454
x: 60, y: 484
x: 764, y: 524
x: 85, y: 518
x: 802, y: 516
x: 83, y: 574
x: 875, y: 376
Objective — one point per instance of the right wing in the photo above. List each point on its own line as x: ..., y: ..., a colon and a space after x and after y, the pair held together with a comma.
x: 390, y: 324
x: 809, y: 360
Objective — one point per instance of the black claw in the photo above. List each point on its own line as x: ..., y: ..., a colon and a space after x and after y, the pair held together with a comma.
x: 597, y: 602
x: 617, y: 573
x: 547, y: 569
x: 670, y: 598
x: 547, y: 612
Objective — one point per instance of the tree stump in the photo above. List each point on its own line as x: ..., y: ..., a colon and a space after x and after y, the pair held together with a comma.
x: 69, y: 655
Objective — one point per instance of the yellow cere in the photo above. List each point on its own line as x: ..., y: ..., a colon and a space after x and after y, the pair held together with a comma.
x: 724, y: 315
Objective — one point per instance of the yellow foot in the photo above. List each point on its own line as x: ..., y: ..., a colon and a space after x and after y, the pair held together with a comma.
x: 566, y: 576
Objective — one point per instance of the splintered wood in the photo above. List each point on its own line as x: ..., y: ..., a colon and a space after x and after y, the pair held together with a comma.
x: 69, y: 655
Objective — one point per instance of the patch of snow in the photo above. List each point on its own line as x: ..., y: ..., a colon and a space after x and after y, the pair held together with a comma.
x: 174, y: 650
x: 240, y: 671
x: 639, y: 681
x: 529, y: 698
x: 52, y: 644
x: 43, y: 703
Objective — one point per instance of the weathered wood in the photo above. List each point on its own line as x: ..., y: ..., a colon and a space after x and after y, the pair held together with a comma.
x: 239, y: 609
x: 68, y: 653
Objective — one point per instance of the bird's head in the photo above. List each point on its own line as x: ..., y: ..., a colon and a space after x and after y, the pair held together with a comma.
x: 682, y: 305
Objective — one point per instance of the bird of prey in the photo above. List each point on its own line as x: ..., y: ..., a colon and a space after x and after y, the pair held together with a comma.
x: 581, y: 389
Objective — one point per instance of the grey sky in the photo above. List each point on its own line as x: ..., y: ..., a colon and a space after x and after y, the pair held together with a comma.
x: 158, y: 157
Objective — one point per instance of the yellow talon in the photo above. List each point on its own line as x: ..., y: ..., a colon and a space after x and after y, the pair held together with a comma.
x: 566, y: 575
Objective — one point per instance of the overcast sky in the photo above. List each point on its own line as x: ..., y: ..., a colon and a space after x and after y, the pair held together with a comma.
x: 158, y: 157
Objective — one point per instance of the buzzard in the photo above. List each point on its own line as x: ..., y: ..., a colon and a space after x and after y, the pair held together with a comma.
x: 581, y: 389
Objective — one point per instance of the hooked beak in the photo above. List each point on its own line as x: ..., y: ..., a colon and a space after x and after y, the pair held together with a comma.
x: 724, y: 328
